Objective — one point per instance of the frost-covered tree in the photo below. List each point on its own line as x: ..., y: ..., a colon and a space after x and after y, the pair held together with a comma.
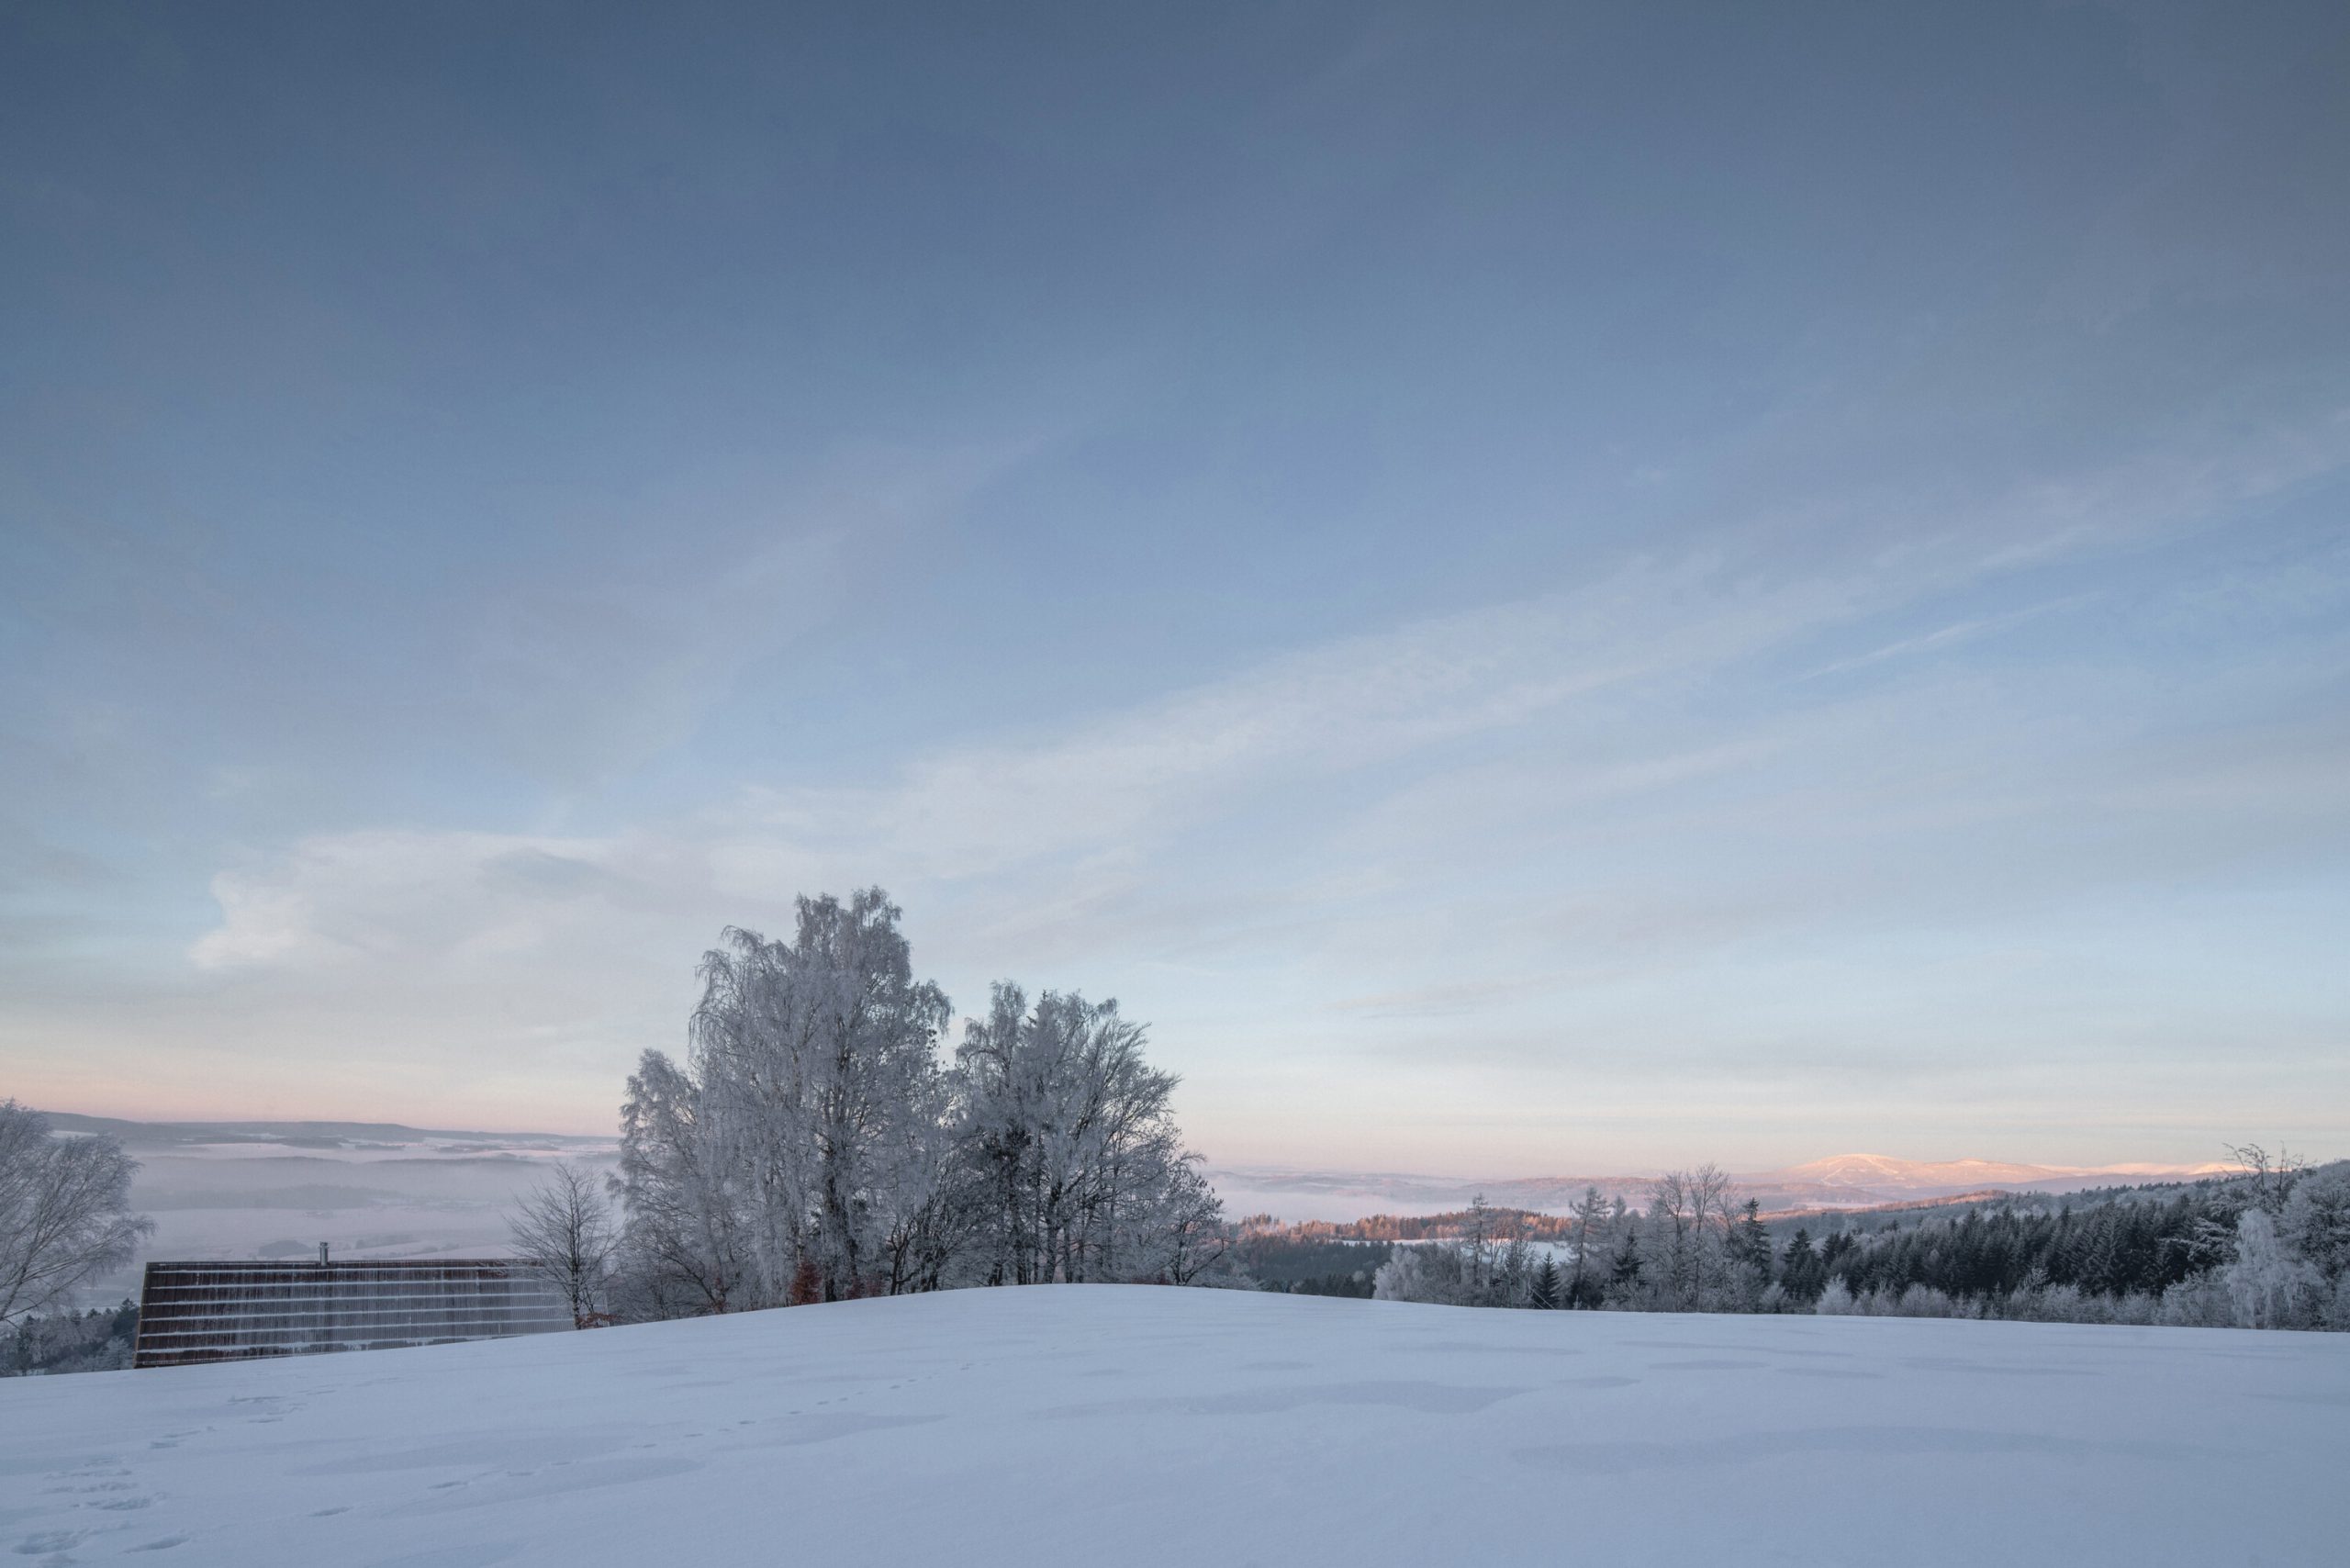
x: 2269, y: 1176
x: 100, y: 1339
x: 64, y: 1211
x: 1591, y: 1216
x: 2315, y: 1220
x: 1507, y: 1268
x: 813, y: 1147
x: 1072, y: 1136
x: 562, y: 1234
x: 1180, y: 1230
x: 809, y: 1056
x: 1488, y: 1260
x: 1688, y: 1221
x: 929, y: 1206
x: 1429, y: 1272
x: 2269, y: 1285
x: 684, y: 1242
x: 1748, y: 1244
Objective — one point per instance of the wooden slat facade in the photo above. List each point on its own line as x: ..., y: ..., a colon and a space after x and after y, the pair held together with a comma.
x: 227, y: 1312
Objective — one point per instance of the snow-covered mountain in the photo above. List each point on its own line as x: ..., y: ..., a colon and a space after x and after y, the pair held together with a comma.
x: 1077, y: 1424
x: 1882, y: 1178
x: 1883, y: 1172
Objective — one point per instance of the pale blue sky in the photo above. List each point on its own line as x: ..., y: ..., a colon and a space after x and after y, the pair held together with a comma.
x: 1538, y: 588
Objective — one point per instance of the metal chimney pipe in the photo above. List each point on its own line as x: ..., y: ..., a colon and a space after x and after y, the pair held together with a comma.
x: 323, y: 1254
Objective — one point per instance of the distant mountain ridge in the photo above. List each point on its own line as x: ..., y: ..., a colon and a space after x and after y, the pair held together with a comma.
x: 1883, y: 1174
x: 1841, y: 1180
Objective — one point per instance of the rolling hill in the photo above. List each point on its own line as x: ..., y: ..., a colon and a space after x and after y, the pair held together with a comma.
x: 1069, y: 1425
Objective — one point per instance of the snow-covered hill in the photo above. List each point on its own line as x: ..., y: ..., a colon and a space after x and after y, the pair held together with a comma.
x: 1099, y: 1424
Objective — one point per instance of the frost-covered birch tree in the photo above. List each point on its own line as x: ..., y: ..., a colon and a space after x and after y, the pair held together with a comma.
x: 814, y: 1147
x: 684, y: 1239
x: 1073, y: 1138
x: 812, y: 1056
x: 562, y: 1234
x: 64, y: 1211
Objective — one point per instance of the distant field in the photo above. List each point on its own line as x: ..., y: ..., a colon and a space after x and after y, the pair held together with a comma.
x: 1111, y: 1424
x: 276, y: 1190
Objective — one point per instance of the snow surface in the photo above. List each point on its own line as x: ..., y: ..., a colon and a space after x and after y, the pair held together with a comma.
x: 1109, y: 1424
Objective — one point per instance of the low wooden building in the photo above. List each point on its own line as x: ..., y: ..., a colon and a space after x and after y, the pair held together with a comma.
x: 229, y: 1312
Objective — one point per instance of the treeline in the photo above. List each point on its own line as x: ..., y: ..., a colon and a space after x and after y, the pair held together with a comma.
x: 2268, y: 1250
x: 40, y: 1343
x: 815, y: 1146
x: 1277, y: 1258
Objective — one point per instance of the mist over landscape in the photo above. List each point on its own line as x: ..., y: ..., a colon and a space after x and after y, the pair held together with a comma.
x: 264, y: 1190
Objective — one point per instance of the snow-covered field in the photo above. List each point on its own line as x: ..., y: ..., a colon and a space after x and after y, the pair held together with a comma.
x: 1102, y: 1424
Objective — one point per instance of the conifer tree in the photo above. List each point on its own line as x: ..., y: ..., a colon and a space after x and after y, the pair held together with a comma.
x: 1625, y: 1274
x: 1543, y: 1291
x: 1750, y: 1243
x: 1801, y: 1273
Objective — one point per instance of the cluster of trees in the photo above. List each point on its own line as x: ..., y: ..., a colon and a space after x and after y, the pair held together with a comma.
x: 64, y: 1212
x: 814, y: 1146
x: 2268, y: 1250
x: 1305, y: 1259
x: 1695, y: 1249
x: 100, y: 1339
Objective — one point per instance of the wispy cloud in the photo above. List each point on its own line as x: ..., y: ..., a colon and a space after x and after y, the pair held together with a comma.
x: 1956, y: 633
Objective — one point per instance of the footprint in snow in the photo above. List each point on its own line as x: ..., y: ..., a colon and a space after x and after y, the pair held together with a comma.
x: 51, y: 1541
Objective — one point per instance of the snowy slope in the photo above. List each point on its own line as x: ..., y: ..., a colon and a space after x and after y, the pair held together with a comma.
x: 1136, y: 1426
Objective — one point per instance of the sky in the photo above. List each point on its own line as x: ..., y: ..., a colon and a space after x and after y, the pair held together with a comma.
x: 1535, y: 588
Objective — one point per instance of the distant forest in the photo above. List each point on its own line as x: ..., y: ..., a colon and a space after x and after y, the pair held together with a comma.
x: 2267, y: 1249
